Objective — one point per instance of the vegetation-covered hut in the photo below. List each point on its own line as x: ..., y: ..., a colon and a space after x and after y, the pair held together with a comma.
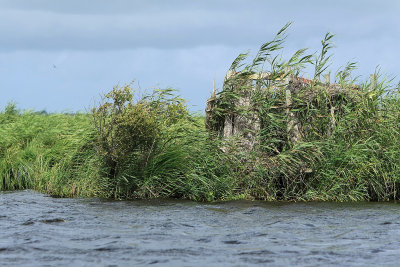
x: 300, y: 138
x: 274, y: 109
x: 265, y: 106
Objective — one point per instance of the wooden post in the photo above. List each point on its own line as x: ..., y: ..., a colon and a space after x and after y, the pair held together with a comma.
x: 332, y: 123
x: 327, y: 78
x: 293, y: 128
x: 373, y: 81
x: 229, y: 125
x: 209, y: 107
x: 214, y: 89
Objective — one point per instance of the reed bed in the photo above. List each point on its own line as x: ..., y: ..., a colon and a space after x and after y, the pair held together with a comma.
x: 150, y: 146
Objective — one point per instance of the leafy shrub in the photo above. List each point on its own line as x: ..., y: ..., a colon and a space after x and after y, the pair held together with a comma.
x: 131, y: 131
x: 152, y: 147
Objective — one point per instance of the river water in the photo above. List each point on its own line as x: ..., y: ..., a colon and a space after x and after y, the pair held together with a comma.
x: 37, y: 230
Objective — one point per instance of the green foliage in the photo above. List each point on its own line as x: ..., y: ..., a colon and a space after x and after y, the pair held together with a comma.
x: 49, y: 153
x: 362, y: 158
x: 189, y: 165
x: 322, y: 60
x: 150, y: 146
x: 348, y: 142
x: 11, y: 109
x: 10, y: 112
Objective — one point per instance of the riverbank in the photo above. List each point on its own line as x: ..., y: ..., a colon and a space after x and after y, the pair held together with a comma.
x: 63, y: 155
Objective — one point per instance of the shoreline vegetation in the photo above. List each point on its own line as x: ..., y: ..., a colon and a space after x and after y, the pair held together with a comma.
x: 135, y: 145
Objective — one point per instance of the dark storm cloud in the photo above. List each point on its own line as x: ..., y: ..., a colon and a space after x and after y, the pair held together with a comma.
x: 124, y: 24
x: 168, y: 43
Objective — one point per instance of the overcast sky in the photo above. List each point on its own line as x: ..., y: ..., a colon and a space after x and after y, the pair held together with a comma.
x: 62, y: 55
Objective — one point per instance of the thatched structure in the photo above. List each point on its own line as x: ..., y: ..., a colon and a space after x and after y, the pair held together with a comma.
x: 240, y: 109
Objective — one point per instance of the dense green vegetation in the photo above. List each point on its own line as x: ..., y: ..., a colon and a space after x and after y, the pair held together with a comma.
x: 49, y: 153
x: 147, y: 148
x: 150, y: 145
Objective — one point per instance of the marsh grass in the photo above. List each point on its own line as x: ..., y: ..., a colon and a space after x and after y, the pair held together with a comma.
x: 149, y: 146
x: 48, y: 153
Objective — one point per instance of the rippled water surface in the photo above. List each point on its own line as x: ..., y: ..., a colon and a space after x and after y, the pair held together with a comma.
x: 36, y: 230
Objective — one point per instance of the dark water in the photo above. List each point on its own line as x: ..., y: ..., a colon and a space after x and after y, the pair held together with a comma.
x: 36, y: 230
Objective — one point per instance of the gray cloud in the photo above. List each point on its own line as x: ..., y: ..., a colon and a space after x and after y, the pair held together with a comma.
x: 118, y: 24
x: 183, y: 44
